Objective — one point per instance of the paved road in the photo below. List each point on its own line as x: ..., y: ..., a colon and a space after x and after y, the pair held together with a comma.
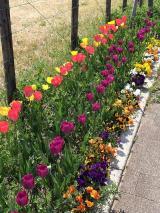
x: 140, y: 186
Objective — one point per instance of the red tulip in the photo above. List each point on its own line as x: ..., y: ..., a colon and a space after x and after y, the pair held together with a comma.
x: 4, y: 127
x: 13, y: 115
x: 37, y: 96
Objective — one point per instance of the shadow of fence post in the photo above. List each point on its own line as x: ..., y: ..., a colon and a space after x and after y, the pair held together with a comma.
x: 7, y: 49
x: 74, y: 24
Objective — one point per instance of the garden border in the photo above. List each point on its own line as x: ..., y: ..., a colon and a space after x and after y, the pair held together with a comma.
x: 118, y: 165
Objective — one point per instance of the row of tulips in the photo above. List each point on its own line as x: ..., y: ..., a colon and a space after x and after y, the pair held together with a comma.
x: 51, y: 124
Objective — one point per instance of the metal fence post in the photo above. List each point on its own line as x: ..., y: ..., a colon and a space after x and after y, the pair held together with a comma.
x: 7, y: 49
x: 74, y: 24
x: 108, y: 10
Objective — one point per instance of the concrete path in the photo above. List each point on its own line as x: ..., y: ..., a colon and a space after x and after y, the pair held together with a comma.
x: 140, y: 185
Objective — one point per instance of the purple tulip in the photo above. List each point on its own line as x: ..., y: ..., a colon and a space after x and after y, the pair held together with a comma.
x: 82, y: 119
x: 130, y: 44
x: 96, y: 106
x: 110, y: 78
x: 131, y: 49
x: 22, y: 198
x: 149, y: 13
x: 120, y: 42
x: 124, y: 59
x: 140, y: 36
x: 119, y: 49
x: 28, y: 181
x: 42, y: 170
x: 104, y: 73
x: 67, y: 127
x: 56, y: 145
x: 100, y: 89
x: 109, y: 66
x: 90, y: 96
x: 105, y: 82
x: 115, y: 58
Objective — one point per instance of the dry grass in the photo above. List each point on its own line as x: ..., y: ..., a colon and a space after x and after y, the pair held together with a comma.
x: 42, y: 30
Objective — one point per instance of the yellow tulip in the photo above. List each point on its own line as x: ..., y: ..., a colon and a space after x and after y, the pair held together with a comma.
x: 74, y: 53
x: 45, y: 86
x: 96, y: 44
x: 49, y: 79
x: 112, y: 22
x: 57, y: 69
x: 31, y: 98
x: 4, y: 111
x: 34, y: 87
x: 84, y: 43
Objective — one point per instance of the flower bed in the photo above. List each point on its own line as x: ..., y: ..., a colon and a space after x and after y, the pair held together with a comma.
x: 59, y: 138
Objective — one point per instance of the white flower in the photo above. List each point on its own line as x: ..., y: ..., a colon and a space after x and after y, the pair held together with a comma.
x: 127, y: 87
x: 133, y: 84
x: 133, y: 71
x: 137, y: 92
x: 122, y: 91
x: 131, y: 89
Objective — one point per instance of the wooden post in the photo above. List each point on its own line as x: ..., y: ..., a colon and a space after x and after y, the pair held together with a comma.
x: 150, y: 4
x: 108, y: 10
x: 135, y: 2
x: 7, y: 49
x: 74, y: 24
x: 140, y: 3
x: 124, y: 5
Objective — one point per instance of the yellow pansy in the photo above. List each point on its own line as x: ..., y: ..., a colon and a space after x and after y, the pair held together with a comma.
x: 4, y: 111
x: 57, y: 69
x: 49, y: 79
x: 74, y: 52
x: 45, y: 86
x: 34, y: 87
x: 118, y: 103
x: 112, y: 22
x: 149, y: 46
x: 140, y: 66
x: 147, y: 68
